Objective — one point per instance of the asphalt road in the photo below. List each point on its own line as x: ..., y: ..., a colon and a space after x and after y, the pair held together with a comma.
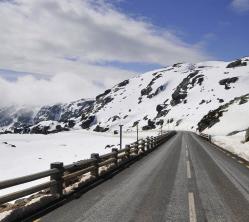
x: 186, y: 179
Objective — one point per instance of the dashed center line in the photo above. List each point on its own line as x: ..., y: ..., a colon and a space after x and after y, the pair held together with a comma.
x: 188, y: 170
x: 191, y: 202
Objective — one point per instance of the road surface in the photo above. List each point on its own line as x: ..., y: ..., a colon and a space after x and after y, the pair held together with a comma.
x: 186, y: 179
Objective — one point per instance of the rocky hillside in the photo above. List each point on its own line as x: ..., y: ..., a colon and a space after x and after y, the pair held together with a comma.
x: 46, y: 119
x: 207, y: 96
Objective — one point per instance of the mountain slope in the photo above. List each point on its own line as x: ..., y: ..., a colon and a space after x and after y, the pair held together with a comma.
x: 44, y: 119
x: 180, y: 96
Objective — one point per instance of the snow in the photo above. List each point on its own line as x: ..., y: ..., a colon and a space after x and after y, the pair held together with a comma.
x: 192, y: 111
x: 234, y: 144
x: 235, y: 118
x: 34, y: 152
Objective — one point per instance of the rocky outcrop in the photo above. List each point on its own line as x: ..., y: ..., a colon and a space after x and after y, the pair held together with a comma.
x: 86, y: 124
x: 101, y: 129
x: 103, y: 94
x: 213, y: 116
x: 151, y: 125
x: 236, y: 63
x: 226, y: 82
x: 124, y: 83
x: 187, y: 83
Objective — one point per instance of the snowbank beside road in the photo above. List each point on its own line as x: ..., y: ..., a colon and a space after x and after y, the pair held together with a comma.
x: 234, y: 144
x: 23, y: 154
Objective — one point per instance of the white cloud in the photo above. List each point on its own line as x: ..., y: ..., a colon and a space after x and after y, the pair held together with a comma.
x: 63, y: 87
x: 240, y: 5
x: 38, y: 35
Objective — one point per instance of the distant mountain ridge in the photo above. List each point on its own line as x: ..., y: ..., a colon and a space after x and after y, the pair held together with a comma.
x: 201, y: 96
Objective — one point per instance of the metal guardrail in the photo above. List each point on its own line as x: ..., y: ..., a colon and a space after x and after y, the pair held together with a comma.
x: 59, y: 173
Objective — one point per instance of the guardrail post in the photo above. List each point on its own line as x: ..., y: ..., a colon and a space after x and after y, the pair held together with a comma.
x: 128, y: 151
x: 148, y: 143
x: 95, y: 172
x: 154, y: 142
x: 143, y: 145
x: 115, y: 156
x: 57, y: 189
x: 209, y: 138
x: 136, y: 147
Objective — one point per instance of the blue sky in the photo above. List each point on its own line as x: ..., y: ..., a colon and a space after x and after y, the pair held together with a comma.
x: 72, y: 49
x: 223, y: 29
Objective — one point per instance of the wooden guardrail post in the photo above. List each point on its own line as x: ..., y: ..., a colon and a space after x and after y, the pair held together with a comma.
x: 148, y: 144
x: 115, y: 156
x: 128, y: 151
x: 143, y: 145
x: 154, y: 142
x: 136, y: 147
x: 95, y: 172
x: 57, y: 189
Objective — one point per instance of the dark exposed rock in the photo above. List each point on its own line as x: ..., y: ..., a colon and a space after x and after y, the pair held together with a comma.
x: 202, y: 101
x: 100, y: 129
x: 213, y: 116
x: 163, y: 113
x: 71, y: 123
x: 160, y: 122
x: 151, y: 125
x: 158, y: 90
x: 210, y: 119
x: 226, y: 82
x: 178, y: 122
x: 17, y: 130
x: 159, y: 108
x: 124, y: 83
x: 234, y: 132
x: 187, y: 83
x: 89, y: 122
x: 177, y: 64
x: 220, y: 100
x: 135, y: 123
x: 39, y: 130
x: 146, y: 91
x: 171, y: 120
x: 103, y: 94
x: 243, y: 100
x: 236, y: 63
x: 114, y: 118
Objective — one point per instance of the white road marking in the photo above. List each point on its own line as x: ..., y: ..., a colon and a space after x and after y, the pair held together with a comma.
x: 191, y: 202
x: 188, y: 170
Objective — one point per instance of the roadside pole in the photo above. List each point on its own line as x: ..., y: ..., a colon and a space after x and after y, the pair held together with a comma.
x: 120, y: 133
x: 137, y: 133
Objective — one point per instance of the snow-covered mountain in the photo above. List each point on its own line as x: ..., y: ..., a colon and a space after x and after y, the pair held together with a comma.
x: 208, y: 96
x: 46, y: 119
